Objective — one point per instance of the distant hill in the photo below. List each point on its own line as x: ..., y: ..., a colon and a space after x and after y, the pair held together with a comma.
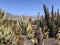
x: 18, y: 17
x: 12, y: 16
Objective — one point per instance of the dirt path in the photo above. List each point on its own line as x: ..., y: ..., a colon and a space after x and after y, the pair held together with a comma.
x: 27, y: 42
x: 50, y: 41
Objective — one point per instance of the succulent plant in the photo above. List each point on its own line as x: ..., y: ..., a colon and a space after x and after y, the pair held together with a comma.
x: 30, y: 32
x: 6, y: 34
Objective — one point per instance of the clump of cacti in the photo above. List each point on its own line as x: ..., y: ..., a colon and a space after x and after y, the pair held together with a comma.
x: 6, y: 34
x: 51, y: 20
x: 29, y: 31
x: 24, y: 24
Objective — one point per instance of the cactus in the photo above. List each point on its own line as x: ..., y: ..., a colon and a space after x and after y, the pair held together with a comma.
x: 6, y: 34
x: 2, y: 14
x: 50, y: 22
x: 24, y: 23
x: 29, y: 30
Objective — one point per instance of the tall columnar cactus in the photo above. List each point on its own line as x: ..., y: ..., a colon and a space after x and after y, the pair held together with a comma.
x: 52, y: 13
x: 46, y: 14
x: 38, y: 19
x: 51, y: 25
x: 58, y: 18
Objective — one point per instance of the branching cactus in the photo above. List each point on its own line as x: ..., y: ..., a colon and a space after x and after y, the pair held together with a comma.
x: 6, y: 32
x: 6, y: 35
x: 2, y: 14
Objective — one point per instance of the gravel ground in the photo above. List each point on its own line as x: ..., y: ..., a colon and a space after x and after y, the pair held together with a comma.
x: 27, y: 42
x: 50, y: 41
